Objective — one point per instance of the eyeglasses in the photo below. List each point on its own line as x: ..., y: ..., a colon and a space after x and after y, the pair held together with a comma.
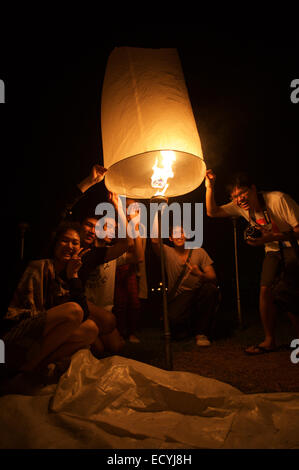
x: 241, y: 192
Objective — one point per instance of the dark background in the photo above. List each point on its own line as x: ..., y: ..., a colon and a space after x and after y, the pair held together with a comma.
x: 239, y: 88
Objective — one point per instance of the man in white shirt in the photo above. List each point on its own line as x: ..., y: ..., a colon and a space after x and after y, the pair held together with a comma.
x: 275, y: 216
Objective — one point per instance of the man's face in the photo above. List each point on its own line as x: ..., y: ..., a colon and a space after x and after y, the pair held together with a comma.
x: 88, y: 231
x: 178, y: 237
x: 243, y: 196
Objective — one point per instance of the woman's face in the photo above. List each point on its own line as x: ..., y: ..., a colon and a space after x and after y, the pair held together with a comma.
x: 67, y: 245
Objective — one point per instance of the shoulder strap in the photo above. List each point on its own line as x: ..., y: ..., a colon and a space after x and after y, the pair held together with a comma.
x: 264, y: 209
x: 179, y: 279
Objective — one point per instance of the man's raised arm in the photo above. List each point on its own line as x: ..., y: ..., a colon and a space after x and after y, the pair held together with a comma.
x: 212, y: 209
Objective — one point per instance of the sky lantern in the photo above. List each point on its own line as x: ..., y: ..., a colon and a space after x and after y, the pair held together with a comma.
x: 150, y: 140
x: 151, y: 145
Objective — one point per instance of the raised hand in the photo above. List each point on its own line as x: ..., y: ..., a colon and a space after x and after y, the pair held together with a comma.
x: 114, y: 199
x: 97, y: 173
x: 210, y: 179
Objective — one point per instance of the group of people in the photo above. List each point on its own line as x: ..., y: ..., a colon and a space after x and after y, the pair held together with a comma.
x: 86, y: 292
x: 66, y: 301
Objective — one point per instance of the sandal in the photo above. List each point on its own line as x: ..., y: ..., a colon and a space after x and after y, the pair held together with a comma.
x: 257, y: 350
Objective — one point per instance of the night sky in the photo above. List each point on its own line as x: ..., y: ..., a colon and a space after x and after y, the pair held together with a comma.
x: 239, y: 89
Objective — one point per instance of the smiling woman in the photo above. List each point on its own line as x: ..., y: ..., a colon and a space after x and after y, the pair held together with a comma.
x: 66, y: 247
x: 48, y: 317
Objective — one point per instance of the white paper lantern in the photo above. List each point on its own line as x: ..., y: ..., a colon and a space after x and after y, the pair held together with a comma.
x: 146, y: 110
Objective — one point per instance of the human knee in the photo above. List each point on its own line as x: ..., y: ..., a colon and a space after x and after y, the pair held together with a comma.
x: 104, y: 319
x: 110, y: 322
x: 90, y: 331
x: 73, y: 313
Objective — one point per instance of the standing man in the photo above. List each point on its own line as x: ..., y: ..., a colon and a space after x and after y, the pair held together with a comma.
x: 275, y: 218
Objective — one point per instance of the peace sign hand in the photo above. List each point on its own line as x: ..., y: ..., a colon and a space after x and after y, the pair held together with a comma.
x: 75, y: 263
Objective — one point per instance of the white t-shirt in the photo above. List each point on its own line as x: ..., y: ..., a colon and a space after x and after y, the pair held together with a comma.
x: 99, y: 288
x: 174, y: 266
x: 283, y: 212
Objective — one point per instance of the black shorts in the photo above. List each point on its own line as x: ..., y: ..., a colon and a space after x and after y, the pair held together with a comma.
x: 272, y: 265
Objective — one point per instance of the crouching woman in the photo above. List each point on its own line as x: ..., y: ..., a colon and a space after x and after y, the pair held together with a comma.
x: 48, y: 318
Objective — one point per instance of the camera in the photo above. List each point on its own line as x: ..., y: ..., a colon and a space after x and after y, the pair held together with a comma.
x: 252, y: 232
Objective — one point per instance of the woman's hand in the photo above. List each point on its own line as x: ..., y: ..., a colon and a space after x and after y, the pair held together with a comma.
x: 96, y: 175
x: 75, y: 263
x: 114, y: 199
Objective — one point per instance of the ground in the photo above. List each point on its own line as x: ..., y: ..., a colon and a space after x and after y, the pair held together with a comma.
x: 225, y: 360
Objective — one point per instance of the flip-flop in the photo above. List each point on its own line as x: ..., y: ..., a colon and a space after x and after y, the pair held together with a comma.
x: 256, y: 350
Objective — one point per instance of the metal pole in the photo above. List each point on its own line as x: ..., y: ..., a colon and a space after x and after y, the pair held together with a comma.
x: 234, y: 219
x: 167, y: 335
x: 23, y: 226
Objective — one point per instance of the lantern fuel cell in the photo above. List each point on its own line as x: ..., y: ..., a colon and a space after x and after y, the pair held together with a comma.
x: 150, y: 140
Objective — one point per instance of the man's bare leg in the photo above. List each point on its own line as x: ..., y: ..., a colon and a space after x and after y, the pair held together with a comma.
x: 113, y: 342
x: 97, y: 347
x: 268, y: 314
x: 104, y: 319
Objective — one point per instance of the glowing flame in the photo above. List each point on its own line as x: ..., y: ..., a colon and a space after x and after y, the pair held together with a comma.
x: 162, y: 170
